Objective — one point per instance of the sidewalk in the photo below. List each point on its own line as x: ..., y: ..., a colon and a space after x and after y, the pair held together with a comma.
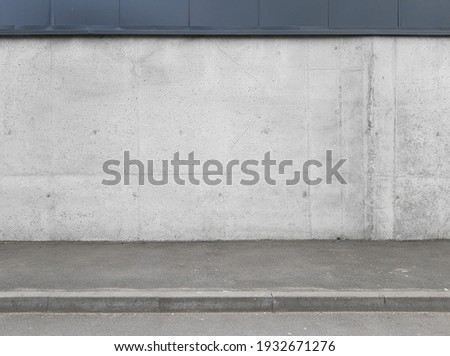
x: 225, y: 276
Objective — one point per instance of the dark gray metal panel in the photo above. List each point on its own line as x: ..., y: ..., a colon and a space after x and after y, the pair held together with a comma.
x: 224, y: 13
x: 364, y: 13
x: 86, y: 12
x: 139, y: 13
x: 288, y: 13
x: 225, y: 17
x: 425, y: 13
x: 24, y: 12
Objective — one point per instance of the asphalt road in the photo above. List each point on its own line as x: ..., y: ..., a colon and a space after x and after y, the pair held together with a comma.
x: 335, y: 324
x: 260, y: 265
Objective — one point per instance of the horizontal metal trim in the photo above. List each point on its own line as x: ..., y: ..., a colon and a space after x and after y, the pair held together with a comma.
x: 53, y: 31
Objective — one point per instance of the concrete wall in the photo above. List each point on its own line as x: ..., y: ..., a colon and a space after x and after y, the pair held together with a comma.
x: 69, y: 104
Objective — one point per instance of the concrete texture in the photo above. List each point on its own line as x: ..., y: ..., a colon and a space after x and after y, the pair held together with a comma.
x: 69, y: 104
x: 185, y: 301
x: 212, y: 324
x: 225, y: 276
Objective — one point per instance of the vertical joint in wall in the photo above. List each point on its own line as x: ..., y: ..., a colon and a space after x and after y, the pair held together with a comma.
x: 370, y: 146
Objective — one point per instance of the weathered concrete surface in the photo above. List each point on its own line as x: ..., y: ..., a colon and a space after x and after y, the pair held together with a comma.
x: 69, y: 104
x: 187, y: 301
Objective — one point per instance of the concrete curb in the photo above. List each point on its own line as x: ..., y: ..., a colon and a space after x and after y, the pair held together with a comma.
x: 171, y: 301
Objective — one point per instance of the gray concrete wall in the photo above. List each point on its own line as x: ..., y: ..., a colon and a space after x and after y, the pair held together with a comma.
x: 69, y: 104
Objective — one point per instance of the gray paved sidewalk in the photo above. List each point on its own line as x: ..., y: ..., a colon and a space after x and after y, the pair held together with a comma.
x: 252, y: 273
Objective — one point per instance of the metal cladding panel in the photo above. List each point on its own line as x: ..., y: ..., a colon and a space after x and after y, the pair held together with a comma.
x: 289, y: 13
x: 225, y: 17
x: 151, y: 13
x: 425, y: 13
x: 224, y: 13
x: 363, y: 13
x: 86, y: 12
x: 24, y: 12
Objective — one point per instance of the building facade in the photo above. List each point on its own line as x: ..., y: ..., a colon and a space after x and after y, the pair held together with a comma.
x: 82, y: 82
